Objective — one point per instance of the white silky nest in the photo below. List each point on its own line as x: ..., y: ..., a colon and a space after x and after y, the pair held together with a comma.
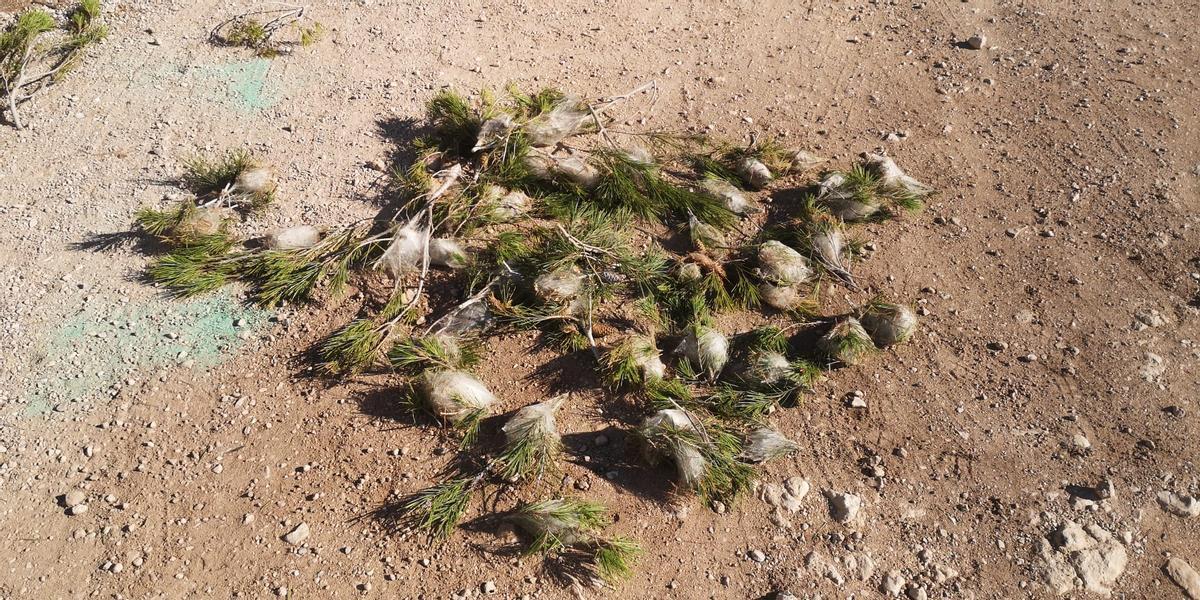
x: 754, y: 172
x: 540, y: 164
x: 889, y: 324
x: 467, y: 318
x: 842, y: 202
x: 255, y: 180
x: 891, y: 175
x: 828, y: 245
x: 764, y: 444
x: 647, y: 358
x: 689, y: 462
x: 782, y: 297
x: 567, y: 118
x: 734, y: 199
x: 804, y: 160
x: 574, y: 169
x: 453, y: 395
x: 768, y: 367
x: 578, y: 170
x: 293, y: 238
x: 555, y: 520
x: 560, y: 285
x: 690, y: 271
x: 707, y: 237
x: 505, y: 205
x: 406, y: 252
x: 846, y: 342
x: 492, y: 132
x: 639, y: 154
x: 781, y: 265
x: 201, y: 222
x: 446, y: 253
x: 535, y: 419
x: 706, y: 349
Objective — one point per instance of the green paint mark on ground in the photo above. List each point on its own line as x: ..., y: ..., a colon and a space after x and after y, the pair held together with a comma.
x: 242, y: 83
x: 95, y: 349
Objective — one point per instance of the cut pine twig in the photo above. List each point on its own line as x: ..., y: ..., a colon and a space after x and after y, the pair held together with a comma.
x: 22, y: 48
x: 257, y: 30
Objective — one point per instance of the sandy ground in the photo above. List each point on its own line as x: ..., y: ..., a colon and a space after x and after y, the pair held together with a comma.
x: 1064, y: 236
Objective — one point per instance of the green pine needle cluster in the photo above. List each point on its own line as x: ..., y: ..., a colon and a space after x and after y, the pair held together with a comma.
x: 352, y: 348
x: 631, y: 188
x: 570, y: 530
x: 725, y: 476
x: 30, y: 63
x: 208, y: 177
x: 439, y: 509
x: 413, y: 355
x: 260, y: 31
x: 247, y: 32
x: 864, y: 186
x: 529, y: 454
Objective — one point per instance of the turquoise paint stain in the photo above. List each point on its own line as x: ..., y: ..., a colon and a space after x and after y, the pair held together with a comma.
x: 92, y: 351
x: 244, y: 84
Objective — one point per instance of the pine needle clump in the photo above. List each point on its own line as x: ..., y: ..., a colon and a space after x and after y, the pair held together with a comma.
x: 269, y: 32
x: 629, y: 253
x: 233, y: 179
x: 36, y: 52
x: 568, y: 531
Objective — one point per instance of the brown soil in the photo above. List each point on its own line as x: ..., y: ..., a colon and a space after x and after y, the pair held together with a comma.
x: 1067, y: 158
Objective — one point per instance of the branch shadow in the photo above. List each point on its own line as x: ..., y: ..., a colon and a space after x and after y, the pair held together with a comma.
x: 618, y: 463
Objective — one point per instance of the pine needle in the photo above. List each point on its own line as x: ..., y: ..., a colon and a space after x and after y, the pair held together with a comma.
x: 417, y: 354
x: 439, y: 509
x: 532, y: 443
x: 161, y: 222
x: 456, y: 125
x: 195, y: 269
x: 468, y: 426
x: 633, y: 187
x: 570, y: 529
x: 206, y: 176
x: 614, y: 558
x: 352, y: 348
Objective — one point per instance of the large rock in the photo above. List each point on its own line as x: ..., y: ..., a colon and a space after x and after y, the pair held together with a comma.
x: 1180, y: 506
x: 1074, y: 556
x: 1184, y: 576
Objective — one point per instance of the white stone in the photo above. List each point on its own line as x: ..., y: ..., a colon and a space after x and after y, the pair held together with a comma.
x: 1184, y: 576
x: 844, y: 506
x: 893, y: 583
x: 297, y: 536
x: 1180, y: 506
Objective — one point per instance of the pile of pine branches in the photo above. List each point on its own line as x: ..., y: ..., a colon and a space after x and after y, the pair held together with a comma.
x: 37, y: 52
x: 551, y: 221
